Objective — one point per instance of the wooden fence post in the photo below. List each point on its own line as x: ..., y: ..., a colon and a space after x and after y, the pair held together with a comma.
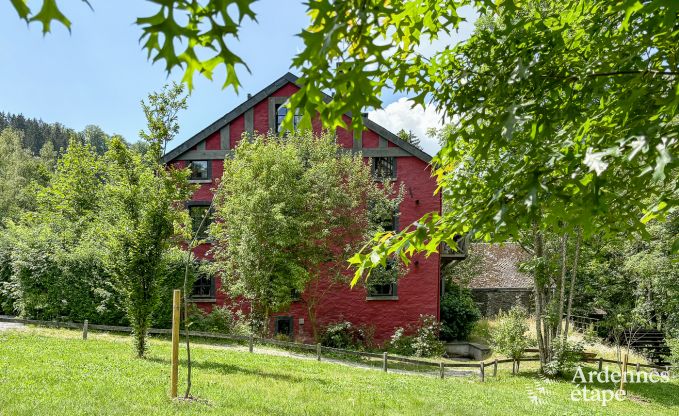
x: 318, y: 351
x: 624, y: 373
x: 251, y: 343
x: 483, y: 371
x: 85, y: 329
x: 442, y: 369
x: 176, y: 307
x: 638, y: 367
x: 601, y: 363
x: 495, y: 368
x: 384, y: 361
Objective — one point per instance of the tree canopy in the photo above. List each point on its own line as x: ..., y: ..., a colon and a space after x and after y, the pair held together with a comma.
x: 291, y: 210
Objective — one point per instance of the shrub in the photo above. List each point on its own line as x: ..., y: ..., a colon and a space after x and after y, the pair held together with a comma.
x: 509, y: 335
x: 426, y: 341
x: 674, y: 351
x: 420, y: 340
x: 48, y: 282
x: 8, y: 289
x: 219, y: 319
x: 458, y: 313
x: 174, y: 264
x: 481, y: 331
x: 565, y: 356
x: 339, y: 335
x: 401, y: 343
x: 348, y: 336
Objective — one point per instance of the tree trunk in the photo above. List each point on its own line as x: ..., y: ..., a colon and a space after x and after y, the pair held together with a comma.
x: 562, y: 284
x: 537, y: 237
x: 571, y: 290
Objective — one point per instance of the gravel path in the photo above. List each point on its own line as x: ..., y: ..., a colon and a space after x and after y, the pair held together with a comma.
x: 10, y: 325
x: 377, y: 366
x: 283, y: 353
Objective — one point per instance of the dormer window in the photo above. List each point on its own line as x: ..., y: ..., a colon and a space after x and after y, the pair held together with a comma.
x: 281, y: 112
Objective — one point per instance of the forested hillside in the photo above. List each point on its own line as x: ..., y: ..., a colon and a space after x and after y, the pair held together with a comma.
x: 36, y: 133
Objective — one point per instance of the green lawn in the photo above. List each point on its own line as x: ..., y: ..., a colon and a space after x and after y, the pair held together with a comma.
x: 45, y: 372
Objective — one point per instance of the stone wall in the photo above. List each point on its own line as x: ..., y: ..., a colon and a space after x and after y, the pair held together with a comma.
x: 491, y: 300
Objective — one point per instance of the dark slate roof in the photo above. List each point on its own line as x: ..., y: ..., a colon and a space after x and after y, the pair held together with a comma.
x: 499, y: 268
x: 261, y: 95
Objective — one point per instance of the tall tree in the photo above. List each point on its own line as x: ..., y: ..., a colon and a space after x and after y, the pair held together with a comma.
x: 19, y: 172
x: 290, y: 211
x: 556, y: 132
x: 409, y: 137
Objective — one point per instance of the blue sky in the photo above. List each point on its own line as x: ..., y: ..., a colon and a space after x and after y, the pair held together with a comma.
x: 98, y: 73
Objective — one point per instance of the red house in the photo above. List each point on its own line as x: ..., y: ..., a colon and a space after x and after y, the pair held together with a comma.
x: 383, y: 307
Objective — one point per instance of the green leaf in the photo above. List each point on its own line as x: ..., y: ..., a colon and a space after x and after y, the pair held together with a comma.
x: 49, y: 12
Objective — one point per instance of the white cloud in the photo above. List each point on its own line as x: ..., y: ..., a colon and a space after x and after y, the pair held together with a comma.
x: 402, y: 115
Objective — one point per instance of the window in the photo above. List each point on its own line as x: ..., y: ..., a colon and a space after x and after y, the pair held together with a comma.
x: 200, y: 170
x: 384, y: 282
x: 196, y: 213
x: 384, y: 167
x: 283, y: 326
x: 204, y: 288
x: 382, y: 290
x: 295, y: 295
x: 281, y: 112
x: 389, y: 222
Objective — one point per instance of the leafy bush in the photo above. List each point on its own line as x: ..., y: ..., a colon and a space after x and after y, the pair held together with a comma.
x: 565, y: 356
x: 481, y: 331
x: 426, y: 342
x: 48, y: 282
x: 509, y: 335
x: 348, y: 336
x: 420, y: 340
x: 8, y: 295
x: 458, y: 313
x: 174, y: 264
x: 220, y: 319
x: 674, y: 351
x: 401, y: 343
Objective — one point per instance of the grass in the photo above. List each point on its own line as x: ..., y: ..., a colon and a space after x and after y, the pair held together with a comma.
x: 46, y: 372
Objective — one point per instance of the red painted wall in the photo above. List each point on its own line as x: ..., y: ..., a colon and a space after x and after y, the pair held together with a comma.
x: 418, y: 292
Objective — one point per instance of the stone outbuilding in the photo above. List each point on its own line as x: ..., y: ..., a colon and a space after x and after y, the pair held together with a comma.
x: 497, y: 283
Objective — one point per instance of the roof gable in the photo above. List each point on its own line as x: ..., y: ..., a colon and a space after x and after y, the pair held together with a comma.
x: 262, y: 95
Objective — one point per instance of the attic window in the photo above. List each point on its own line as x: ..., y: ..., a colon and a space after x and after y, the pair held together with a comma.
x: 200, y: 170
x: 281, y: 112
x: 384, y: 167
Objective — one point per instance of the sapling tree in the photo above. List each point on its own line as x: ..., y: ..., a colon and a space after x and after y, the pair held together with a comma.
x: 143, y: 210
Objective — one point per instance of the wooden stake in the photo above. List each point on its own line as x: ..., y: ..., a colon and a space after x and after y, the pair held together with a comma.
x: 601, y: 363
x: 495, y: 368
x: 176, y: 308
x: 624, y: 374
x: 251, y: 344
x: 384, y: 361
x: 482, y: 367
x: 85, y: 329
x: 318, y: 351
x: 442, y: 369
